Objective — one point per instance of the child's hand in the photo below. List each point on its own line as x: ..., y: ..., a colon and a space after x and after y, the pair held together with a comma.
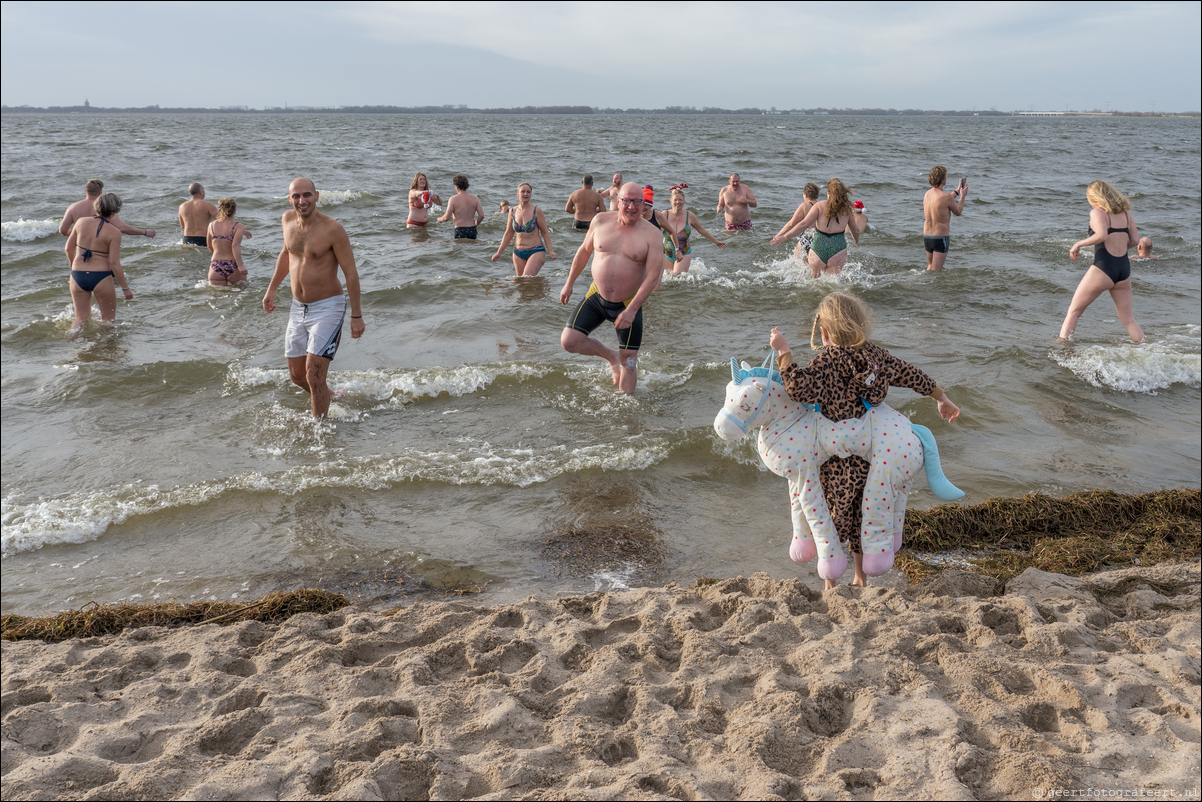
x: 778, y: 341
x: 947, y: 410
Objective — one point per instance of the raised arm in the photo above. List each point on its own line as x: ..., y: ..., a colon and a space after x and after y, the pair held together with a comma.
x: 807, y: 221
x: 797, y: 217
x: 346, y: 260
x: 901, y: 373
x: 578, y: 262
x: 956, y: 204
x: 125, y: 228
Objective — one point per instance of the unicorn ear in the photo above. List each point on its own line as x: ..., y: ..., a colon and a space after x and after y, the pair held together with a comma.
x: 734, y: 371
x: 744, y: 365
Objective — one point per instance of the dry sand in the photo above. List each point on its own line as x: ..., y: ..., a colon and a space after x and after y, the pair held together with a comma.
x: 745, y: 689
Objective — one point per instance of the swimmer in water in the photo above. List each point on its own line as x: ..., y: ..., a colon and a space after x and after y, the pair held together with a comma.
x: 224, y: 239
x: 937, y: 210
x: 737, y: 200
x: 810, y: 195
x: 195, y: 214
x: 421, y: 198
x: 464, y: 209
x: 94, y: 253
x: 831, y: 219
x: 1112, y: 233
x: 681, y: 222
x: 527, y: 227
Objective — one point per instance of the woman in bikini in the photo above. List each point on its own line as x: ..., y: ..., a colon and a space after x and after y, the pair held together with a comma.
x: 421, y: 198
x: 527, y: 227
x: 810, y: 195
x: 225, y: 242
x: 831, y: 218
x: 682, y: 223
x: 94, y: 251
x: 1112, y: 233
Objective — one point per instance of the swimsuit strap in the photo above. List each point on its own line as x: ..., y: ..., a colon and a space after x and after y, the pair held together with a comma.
x: 102, y: 222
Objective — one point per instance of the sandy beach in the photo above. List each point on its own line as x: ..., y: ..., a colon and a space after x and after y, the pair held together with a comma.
x: 747, y: 688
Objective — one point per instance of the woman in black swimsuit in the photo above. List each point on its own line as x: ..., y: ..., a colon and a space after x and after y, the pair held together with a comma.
x: 95, y: 257
x: 1112, y: 233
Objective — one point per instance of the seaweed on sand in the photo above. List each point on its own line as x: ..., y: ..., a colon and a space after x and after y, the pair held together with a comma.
x: 104, y: 619
x: 1073, y: 535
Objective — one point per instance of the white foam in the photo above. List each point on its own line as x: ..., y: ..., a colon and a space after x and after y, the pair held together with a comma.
x: 1142, y: 368
x: 83, y: 517
x: 23, y: 230
x: 331, y: 197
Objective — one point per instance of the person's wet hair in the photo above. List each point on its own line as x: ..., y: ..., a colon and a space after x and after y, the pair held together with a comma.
x: 810, y: 191
x: 460, y: 182
x: 94, y: 186
x: 226, y: 208
x: 107, y: 204
x: 938, y: 176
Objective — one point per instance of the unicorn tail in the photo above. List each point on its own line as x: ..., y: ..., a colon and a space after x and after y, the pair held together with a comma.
x: 940, y: 486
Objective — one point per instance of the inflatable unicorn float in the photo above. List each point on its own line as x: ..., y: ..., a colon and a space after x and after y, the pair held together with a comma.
x: 796, y: 439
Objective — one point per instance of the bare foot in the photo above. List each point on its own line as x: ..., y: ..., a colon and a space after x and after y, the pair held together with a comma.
x: 861, y: 581
x: 617, y: 370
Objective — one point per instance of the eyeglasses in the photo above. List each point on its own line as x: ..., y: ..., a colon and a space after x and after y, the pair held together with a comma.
x: 631, y: 201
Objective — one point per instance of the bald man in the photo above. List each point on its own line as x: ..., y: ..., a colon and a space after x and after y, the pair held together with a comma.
x: 629, y: 263
x: 315, y: 246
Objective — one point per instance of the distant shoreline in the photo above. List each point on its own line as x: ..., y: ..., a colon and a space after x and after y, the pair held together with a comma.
x: 585, y: 110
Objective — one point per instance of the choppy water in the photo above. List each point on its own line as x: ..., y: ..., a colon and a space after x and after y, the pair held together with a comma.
x: 171, y: 457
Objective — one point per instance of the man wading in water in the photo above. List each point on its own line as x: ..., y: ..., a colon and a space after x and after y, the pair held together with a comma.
x: 315, y: 246
x: 630, y: 256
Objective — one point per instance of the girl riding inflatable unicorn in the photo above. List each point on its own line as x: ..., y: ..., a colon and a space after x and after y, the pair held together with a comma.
x: 850, y: 458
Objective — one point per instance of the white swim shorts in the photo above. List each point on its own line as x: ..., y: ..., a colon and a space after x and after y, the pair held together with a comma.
x: 315, y: 328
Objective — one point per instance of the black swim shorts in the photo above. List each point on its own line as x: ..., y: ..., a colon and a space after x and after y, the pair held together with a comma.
x: 465, y: 232
x: 201, y: 241
x: 593, y: 310
x: 583, y: 225
x: 936, y: 244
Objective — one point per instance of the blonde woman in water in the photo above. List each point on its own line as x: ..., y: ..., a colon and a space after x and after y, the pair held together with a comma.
x: 681, y: 222
x: 1112, y: 233
x: 830, y: 219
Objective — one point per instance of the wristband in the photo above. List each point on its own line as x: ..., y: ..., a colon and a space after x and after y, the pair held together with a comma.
x: 356, y: 317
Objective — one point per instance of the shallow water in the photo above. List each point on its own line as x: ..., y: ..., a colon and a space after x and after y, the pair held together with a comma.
x: 170, y: 457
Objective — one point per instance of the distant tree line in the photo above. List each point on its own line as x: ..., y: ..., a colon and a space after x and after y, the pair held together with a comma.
x: 462, y: 109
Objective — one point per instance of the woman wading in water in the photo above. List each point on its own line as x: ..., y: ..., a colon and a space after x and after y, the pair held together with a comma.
x: 94, y: 251
x: 682, y: 223
x: 225, y: 242
x: 830, y: 219
x: 527, y: 227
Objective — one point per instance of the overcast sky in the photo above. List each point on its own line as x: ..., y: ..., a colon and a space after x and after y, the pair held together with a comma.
x: 1128, y: 56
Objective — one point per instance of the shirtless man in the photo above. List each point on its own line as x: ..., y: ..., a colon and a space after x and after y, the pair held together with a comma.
x: 1143, y: 249
x: 937, y: 210
x: 611, y: 194
x: 737, y: 200
x: 195, y: 215
x: 464, y: 208
x: 585, y: 203
x: 627, y: 270
x: 87, y: 208
x: 315, y: 246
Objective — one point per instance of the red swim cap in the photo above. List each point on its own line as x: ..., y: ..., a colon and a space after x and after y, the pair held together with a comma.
x: 648, y: 195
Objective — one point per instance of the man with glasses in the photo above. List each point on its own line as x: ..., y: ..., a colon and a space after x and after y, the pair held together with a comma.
x: 626, y: 271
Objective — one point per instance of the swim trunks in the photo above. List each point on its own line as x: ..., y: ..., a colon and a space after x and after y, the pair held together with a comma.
x: 583, y: 225
x: 936, y: 244
x: 465, y: 232
x: 87, y: 280
x: 744, y: 226
x: 417, y: 223
x: 315, y: 328
x: 224, y: 267
x: 593, y: 310
x: 201, y: 241
x: 806, y: 240
x: 526, y: 254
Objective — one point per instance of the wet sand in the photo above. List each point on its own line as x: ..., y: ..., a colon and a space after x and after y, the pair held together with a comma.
x: 743, y: 689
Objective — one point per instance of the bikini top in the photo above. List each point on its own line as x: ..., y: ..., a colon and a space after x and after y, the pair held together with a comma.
x: 421, y: 200
x: 230, y: 237
x: 88, y: 252
x: 528, y: 226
